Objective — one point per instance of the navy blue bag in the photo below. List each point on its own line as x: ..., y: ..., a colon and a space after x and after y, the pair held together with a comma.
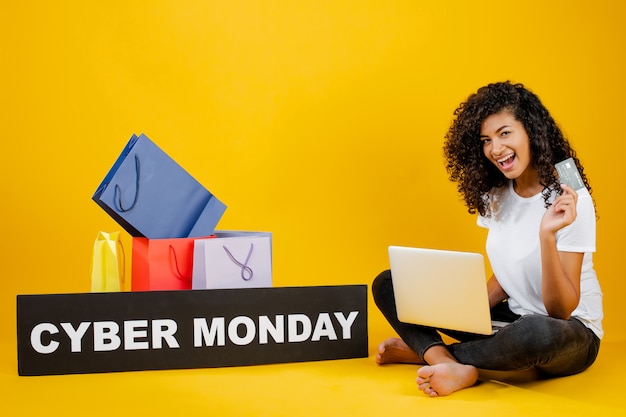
x: 151, y: 196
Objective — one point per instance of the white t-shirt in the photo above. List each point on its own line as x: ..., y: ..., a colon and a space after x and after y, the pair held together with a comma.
x: 514, y: 252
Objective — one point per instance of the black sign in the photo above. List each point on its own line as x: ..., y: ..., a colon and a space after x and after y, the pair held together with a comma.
x: 131, y: 331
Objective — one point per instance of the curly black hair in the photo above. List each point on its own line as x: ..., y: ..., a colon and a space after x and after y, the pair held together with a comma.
x: 466, y: 163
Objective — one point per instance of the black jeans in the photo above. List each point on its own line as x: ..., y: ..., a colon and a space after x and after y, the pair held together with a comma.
x: 552, y: 346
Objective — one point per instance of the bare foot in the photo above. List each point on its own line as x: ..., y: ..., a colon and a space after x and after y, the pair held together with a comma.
x: 445, y: 378
x: 394, y: 350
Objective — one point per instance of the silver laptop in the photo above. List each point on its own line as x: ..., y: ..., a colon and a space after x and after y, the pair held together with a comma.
x: 442, y: 289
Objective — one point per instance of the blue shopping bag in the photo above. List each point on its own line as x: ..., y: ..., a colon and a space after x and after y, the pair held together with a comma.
x: 151, y: 196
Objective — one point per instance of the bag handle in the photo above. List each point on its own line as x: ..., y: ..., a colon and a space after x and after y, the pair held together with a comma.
x: 117, y: 193
x: 246, y: 271
x: 177, y: 272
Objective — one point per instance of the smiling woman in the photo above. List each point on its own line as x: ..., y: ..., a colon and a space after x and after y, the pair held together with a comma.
x: 501, y: 149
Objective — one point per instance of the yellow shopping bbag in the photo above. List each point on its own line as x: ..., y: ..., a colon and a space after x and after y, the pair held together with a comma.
x: 107, y: 266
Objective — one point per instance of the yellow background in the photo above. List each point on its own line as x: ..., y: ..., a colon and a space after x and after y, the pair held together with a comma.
x: 320, y: 121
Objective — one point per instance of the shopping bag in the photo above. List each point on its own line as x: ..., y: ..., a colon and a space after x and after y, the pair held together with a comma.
x: 162, y: 264
x: 151, y: 196
x: 108, y: 263
x: 234, y: 259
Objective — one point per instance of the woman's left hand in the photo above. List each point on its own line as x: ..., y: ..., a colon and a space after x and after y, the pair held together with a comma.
x: 562, y: 212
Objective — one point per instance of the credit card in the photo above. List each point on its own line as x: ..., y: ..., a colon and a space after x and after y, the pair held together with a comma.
x: 569, y: 175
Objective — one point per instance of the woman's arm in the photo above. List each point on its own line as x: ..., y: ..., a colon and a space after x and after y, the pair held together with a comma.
x: 560, y: 270
x: 561, y: 279
x: 495, y: 292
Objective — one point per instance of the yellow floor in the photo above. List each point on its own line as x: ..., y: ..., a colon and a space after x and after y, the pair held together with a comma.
x: 355, y: 387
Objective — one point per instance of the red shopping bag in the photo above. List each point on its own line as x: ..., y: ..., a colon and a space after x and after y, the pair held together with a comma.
x: 162, y: 264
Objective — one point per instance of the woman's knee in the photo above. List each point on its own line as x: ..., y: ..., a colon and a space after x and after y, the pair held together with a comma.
x: 381, y: 284
x: 382, y: 280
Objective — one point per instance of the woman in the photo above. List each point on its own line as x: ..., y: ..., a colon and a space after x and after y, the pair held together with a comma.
x: 501, y: 150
